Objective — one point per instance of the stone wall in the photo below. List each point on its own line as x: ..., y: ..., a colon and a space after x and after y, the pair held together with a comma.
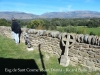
x: 83, y: 53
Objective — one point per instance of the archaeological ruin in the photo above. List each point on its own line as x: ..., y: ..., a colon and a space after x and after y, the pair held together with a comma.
x: 71, y: 48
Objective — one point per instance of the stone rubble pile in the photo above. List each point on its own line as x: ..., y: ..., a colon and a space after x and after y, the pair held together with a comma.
x: 88, y: 39
x: 85, y: 51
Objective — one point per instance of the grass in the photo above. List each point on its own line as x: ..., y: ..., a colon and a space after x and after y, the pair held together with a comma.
x: 82, y: 29
x: 88, y: 30
x: 8, y: 49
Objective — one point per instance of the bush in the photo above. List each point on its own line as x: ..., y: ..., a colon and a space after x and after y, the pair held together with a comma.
x: 4, y: 22
x: 92, y: 33
x: 81, y: 31
x: 69, y: 29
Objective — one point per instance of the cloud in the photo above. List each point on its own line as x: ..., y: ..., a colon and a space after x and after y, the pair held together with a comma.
x: 68, y: 8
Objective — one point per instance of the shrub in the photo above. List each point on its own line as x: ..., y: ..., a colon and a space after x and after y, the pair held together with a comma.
x: 92, y: 33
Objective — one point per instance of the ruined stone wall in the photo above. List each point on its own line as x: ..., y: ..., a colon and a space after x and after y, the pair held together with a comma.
x: 80, y: 53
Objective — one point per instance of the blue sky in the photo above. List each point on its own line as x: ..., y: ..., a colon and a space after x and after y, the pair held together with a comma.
x: 43, y: 6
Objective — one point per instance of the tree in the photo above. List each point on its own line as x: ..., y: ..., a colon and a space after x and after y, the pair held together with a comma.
x: 4, y: 22
x: 36, y: 24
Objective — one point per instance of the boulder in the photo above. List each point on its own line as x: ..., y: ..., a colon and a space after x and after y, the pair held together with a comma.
x: 98, y: 42
x: 54, y: 34
x: 89, y: 39
x: 94, y: 40
x: 40, y: 32
x: 86, y: 38
x: 80, y: 38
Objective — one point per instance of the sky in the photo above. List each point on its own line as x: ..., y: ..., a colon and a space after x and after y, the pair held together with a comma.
x: 39, y: 7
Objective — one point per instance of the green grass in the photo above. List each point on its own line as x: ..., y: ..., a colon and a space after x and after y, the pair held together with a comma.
x: 8, y: 49
x: 81, y: 29
x: 88, y: 30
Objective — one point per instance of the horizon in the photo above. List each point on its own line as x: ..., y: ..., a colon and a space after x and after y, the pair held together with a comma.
x: 49, y: 12
x: 39, y: 7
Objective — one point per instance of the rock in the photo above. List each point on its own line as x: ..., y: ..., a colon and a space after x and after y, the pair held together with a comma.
x: 80, y: 38
x: 97, y: 56
x: 45, y: 33
x: 40, y: 32
x: 89, y: 63
x: 86, y: 38
x: 64, y: 61
x: 96, y: 60
x: 97, y: 65
x: 84, y: 54
x: 75, y: 59
x: 91, y: 53
x: 98, y: 42
x: 59, y: 36
x: 89, y: 40
x: 30, y: 49
x: 30, y: 31
x: 55, y: 34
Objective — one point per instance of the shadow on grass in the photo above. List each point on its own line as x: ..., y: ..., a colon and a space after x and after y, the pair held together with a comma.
x: 19, y: 67
x: 41, y: 57
x: 63, y: 50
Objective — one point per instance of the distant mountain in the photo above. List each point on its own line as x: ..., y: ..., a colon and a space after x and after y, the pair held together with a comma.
x: 17, y: 15
x: 71, y: 14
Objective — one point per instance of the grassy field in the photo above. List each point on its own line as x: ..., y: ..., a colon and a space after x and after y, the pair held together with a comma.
x: 82, y: 29
x: 88, y: 30
x: 9, y: 50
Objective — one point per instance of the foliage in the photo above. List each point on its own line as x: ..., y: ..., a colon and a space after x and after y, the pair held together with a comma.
x: 42, y: 24
x: 93, y: 22
x: 35, y: 24
x: 92, y: 33
x: 60, y: 24
x: 71, y: 29
x: 95, y: 31
x: 52, y: 23
x: 23, y: 23
x: 4, y: 22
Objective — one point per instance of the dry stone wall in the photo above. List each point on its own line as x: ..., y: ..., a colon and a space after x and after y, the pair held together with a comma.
x: 84, y: 52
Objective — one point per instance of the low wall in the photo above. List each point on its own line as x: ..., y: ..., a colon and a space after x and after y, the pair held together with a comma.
x: 82, y: 53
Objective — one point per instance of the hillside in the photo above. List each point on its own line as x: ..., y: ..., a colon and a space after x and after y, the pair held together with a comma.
x: 71, y: 14
x: 17, y: 15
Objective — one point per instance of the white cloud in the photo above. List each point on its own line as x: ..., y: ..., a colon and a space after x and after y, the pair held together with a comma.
x: 68, y: 8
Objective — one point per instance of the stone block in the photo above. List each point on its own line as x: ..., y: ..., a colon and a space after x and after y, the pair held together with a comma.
x: 96, y: 60
x: 91, y: 54
x: 70, y: 54
x: 85, y: 46
x: 64, y: 60
x: 97, y: 65
x: 97, y: 56
x: 30, y: 49
x: 85, y: 54
x: 89, y: 63
x: 73, y: 51
x: 75, y: 59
